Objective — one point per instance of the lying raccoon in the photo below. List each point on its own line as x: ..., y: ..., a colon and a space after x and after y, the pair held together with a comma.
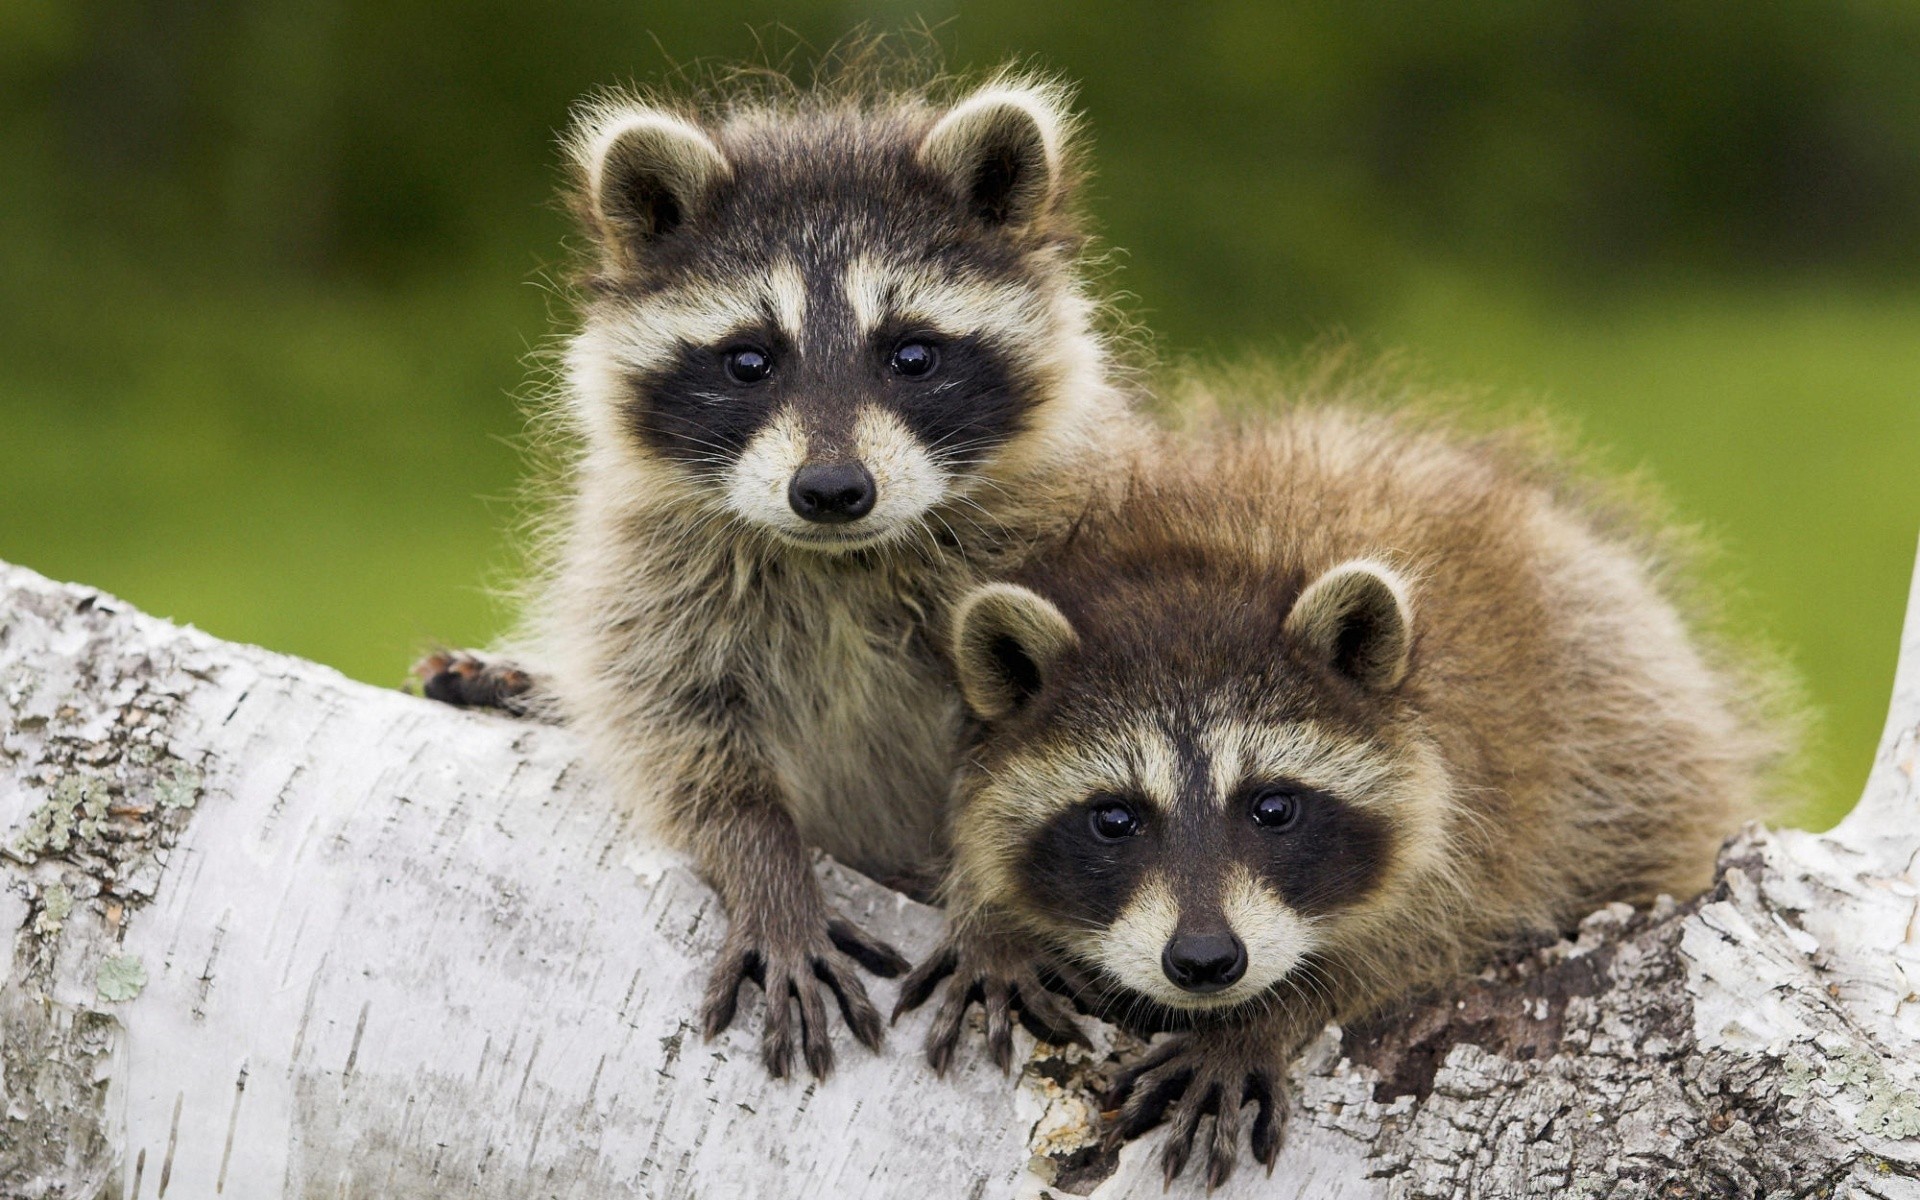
x: 1317, y: 718
x: 837, y: 364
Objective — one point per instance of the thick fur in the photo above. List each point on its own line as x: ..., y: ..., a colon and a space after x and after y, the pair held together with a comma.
x: 1470, y: 679
x: 752, y: 681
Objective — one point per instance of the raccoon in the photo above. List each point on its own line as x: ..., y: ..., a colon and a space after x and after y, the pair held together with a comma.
x: 839, y: 361
x: 1323, y: 714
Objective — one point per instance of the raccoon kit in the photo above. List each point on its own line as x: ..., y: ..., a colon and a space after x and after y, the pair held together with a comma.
x: 1320, y: 716
x: 837, y: 363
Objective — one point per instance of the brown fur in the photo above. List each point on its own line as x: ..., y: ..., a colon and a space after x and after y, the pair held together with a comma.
x: 750, y: 691
x: 1555, y: 737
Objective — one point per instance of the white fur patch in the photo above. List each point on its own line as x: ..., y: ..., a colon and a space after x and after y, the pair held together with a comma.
x: 906, y: 480
x: 1037, y: 785
x: 1156, y: 764
x: 646, y: 334
x: 787, y: 289
x: 1276, y: 938
x: 757, y: 483
x: 950, y: 304
x: 1302, y: 751
x: 1130, y: 948
x: 1409, y: 785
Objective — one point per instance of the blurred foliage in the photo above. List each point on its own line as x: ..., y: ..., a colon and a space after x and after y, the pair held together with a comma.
x: 265, y: 293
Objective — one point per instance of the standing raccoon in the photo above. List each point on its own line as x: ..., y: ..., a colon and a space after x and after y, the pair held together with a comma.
x: 838, y: 363
x: 1319, y: 716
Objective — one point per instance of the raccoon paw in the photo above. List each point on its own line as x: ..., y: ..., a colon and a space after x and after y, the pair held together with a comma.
x: 1004, y: 982
x: 794, y: 971
x: 467, y: 680
x: 1192, y: 1077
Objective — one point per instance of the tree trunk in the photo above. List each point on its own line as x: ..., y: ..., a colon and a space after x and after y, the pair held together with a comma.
x: 280, y: 934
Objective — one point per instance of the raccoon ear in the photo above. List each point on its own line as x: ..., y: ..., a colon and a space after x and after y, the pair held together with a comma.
x: 1357, y: 619
x: 999, y: 150
x: 1005, y: 641
x: 645, y: 172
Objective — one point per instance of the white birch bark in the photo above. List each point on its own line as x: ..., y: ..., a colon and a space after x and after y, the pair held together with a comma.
x: 278, y: 934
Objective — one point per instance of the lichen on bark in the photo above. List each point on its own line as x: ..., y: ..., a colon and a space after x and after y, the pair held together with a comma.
x: 84, y: 740
x: 354, y: 888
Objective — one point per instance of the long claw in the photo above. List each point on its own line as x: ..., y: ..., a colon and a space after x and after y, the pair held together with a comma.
x: 776, y: 1041
x: 1269, y: 1120
x: 1047, y: 1017
x: 943, y: 1036
x: 816, y: 1041
x: 1152, y: 1061
x: 837, y: 972
x: 999, y: 1024
x: 1147, y: 1106
x: 865, y: 949
x: 917, y: 986
x: 1173, y: 1156
x: 1186, y: 1127
x: 722, y: 997
x: 1223, y: 1149
x: 1201, y: 1088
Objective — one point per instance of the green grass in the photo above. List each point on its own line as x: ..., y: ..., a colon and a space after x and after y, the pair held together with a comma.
x: 1786, y: 423
x: 314, y: 473
x: 320, y: 471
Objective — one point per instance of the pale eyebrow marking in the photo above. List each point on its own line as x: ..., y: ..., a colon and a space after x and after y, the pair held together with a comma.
x: 1299, y: 750
x: 705, y: 314
x: 757, y: 482
x: 1224, y: 768
x: 868, y: 293
x: 1156, y: 763
x: 955, y: 305
x: 787, y: 288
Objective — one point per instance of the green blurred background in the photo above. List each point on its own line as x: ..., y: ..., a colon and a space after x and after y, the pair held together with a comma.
x: 269, y: 269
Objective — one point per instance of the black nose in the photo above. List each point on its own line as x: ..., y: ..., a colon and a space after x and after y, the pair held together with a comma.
x: 1204, y: 962
x: 831, y: 495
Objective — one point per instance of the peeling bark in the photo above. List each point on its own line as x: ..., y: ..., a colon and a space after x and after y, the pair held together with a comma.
x: 278, y: 934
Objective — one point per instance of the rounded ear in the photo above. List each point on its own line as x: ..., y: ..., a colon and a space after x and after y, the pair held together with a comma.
x: 1356, y: 619
x: 1000, y: 151
x: 643, y: 172
x: 1005, y: 641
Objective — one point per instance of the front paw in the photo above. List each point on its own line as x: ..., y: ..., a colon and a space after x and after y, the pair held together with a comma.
x: 468, y: 680
x: 1003, y: 980
x: 794, y: 965
x: 1193, y: 1076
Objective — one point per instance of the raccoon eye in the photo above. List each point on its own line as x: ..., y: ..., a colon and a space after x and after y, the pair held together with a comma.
x: 1275, y: 809
x: 1113, y: 820
x: 914, y: 359
x: 747, y: 365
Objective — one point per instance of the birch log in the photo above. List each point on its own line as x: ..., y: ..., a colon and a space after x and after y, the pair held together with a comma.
x: 280, y: 934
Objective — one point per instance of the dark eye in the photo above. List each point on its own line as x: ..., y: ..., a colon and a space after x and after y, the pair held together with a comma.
x: 1275, y: 809
x: 1113, y: 820
x: 747, y: 365
x: 914, y: 359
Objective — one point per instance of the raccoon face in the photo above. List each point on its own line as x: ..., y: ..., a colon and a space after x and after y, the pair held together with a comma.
x: 1196, y: 839
x: 829, y: 325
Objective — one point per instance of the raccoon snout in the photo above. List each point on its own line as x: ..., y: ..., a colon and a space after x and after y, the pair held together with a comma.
x: 833, y: 494
x: 1204, y: 962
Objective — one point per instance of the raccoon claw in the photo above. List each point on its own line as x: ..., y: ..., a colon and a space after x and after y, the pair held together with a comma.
x: 865, y: 949
x: 1005, y: 985
x: 1183, y: 1082
x: 467, y: 680
x: 797, y: 979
